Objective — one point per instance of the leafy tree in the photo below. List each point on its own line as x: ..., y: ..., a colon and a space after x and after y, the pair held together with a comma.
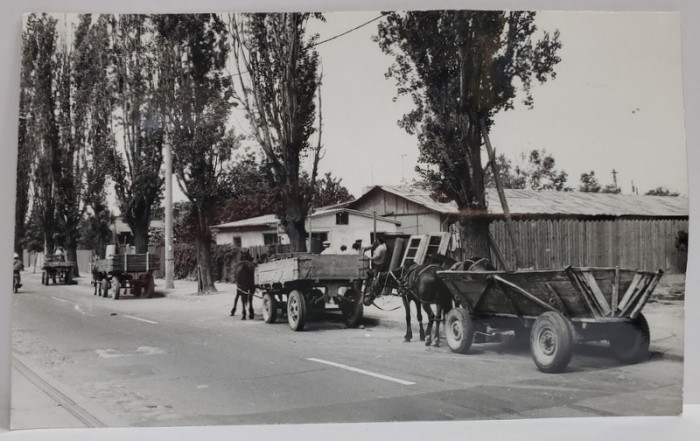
x: 611, y: 188
x: 330, y: 191
x: 95, y: 232
x: 40, y: 128
x: 538, y: 173
x: 139, y: 118
x: 277, y: 71
x: 661, y: 191
x: 589, y: 183
x: 460, y: 68
x: 194, y: 54
x: 98, y: 100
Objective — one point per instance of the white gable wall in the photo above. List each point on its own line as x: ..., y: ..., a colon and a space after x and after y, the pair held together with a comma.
x: 358, y: 227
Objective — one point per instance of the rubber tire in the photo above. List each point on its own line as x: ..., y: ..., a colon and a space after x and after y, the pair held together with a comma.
x: 353, y: 308
x: 116, y: 287
x: 630, y: 344
x: 69, y: 277
x: 551, y: 342
x: 296, y: 310
x: 459, y: 330
x: 269, y: 308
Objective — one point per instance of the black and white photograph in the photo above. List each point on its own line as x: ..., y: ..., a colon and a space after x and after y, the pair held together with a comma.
x: 296, y: 218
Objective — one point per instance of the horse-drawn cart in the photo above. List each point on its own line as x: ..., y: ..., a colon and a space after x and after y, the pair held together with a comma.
x: 306, y: 283
x: 131, y: 272
x: 555, y: 308
x: 57, y: 268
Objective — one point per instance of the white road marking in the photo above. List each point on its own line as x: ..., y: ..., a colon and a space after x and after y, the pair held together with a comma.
x: 60, y: 300
x: 140, y: 319
x: 141, y: 350
x: 362, y: 371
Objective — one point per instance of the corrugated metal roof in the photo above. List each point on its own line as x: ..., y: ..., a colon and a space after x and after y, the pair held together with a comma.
x: 271, y: 221
x: 570, y: 203
x: 268, y: 220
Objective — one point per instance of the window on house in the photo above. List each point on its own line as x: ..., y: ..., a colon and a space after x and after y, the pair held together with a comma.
x: 317, y: 239
x: 237, y: 241
x: 270, y: 238
x: 342, y: 218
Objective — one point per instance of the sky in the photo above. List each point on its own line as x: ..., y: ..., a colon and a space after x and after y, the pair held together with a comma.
x: 616, y: 103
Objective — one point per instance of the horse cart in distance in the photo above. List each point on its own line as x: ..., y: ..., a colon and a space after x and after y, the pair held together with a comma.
x: 125, y: 273
x: 554, y: 308
x: 57, y: 268
x: 305, y: 284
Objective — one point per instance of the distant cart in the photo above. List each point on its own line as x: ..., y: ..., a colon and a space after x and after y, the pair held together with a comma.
x: 553, y: 309
x: 57, y: 270
x: 125, y: 274
x: 304, y: 284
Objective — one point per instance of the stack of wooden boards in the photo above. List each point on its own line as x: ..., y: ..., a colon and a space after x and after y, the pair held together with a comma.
x: 129, y: 263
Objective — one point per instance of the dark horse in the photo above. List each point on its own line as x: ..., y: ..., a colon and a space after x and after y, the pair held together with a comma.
x: 245, y: 287
x: 418, y: 284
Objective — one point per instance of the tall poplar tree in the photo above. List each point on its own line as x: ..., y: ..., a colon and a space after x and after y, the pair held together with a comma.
x: 278, y: 76
x: 461, y: 68
x: 196, y: 94
x: 138, y: 157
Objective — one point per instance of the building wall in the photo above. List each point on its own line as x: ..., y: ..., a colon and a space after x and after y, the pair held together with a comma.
x: 248, y: 238
x: 358, y: 227
x: 414, y: 218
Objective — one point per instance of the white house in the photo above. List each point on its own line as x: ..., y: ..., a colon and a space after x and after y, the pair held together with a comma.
x: 337, y: 225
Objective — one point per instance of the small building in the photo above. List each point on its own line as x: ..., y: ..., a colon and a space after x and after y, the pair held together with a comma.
x: 337, y: 225
x: 553, y: 228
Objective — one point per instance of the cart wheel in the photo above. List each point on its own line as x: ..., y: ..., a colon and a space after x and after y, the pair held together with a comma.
x: 296, y: 310
x: 459, y: 330
x: 630, y: 343
x: 68, y: 277
x: 352, y: 308
x: 104, y: 284
x: 269, y: 308
x: 44, y: 278
x: 115, y: 288
x: 551, y: 342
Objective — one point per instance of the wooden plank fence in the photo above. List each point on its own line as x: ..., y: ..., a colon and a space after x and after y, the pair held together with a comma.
x: 635, y: 244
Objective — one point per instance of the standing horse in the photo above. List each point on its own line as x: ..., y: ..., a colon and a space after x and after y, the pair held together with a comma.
x: 245, y: 287
x: 417, y: 283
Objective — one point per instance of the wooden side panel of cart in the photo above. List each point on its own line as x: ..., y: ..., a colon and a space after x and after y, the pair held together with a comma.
x: 578, y: 293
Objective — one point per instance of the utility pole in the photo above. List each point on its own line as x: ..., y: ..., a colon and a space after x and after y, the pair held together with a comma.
x: 169, y: 260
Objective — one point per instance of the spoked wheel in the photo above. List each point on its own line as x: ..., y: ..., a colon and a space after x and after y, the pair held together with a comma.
x: 296, y: 311
x: 352, y: 308
x: 551, y: 342
x: 630, y: 343
x: 459, y: 330
x: 269, y: 308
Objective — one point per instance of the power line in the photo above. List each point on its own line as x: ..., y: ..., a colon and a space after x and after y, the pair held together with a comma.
x: 329, y: 39
x: 348, y: 31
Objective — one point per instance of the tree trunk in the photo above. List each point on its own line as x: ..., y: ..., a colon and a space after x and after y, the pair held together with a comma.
x: 203, y: 244
x: 139, y: 228
x: 296, y: 230
x: 475, y: 231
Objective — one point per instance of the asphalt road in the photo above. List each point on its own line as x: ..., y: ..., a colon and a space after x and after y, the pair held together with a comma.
x: 181, y: 360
